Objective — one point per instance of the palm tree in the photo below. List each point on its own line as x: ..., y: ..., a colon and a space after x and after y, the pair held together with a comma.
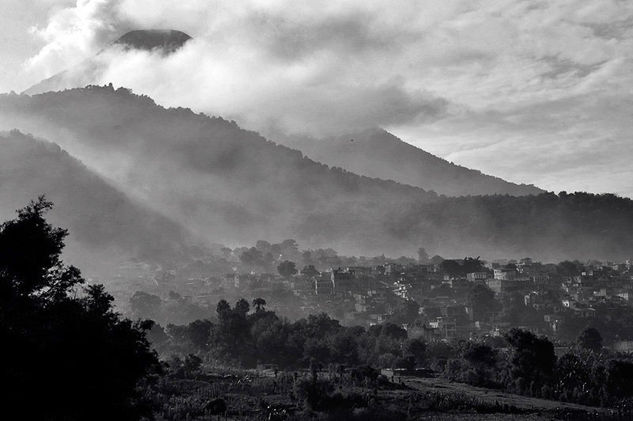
x: 259, y: 304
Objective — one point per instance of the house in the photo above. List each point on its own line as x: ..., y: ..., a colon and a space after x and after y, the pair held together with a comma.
x: 324, y: 285
x: 477, y: 276
x: 444, y: 327
x: 505, y: 273
x: 504, y: 286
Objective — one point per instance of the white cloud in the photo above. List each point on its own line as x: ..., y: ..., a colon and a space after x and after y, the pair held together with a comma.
x: 522, y: 89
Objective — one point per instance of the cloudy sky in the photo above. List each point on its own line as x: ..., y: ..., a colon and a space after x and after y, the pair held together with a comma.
x: 532, y: 91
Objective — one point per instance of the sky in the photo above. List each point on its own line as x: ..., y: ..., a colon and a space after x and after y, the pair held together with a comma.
x: 531, y: 91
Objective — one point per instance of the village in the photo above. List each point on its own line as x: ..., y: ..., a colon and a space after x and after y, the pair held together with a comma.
x: 437, y: 299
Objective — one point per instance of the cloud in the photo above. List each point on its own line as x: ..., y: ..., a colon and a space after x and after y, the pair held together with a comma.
x: 542, y: 84
x: 306, y: 67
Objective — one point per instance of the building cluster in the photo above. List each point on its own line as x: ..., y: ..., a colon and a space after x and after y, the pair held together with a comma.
x: 442, y: 300
x: 439, y: 300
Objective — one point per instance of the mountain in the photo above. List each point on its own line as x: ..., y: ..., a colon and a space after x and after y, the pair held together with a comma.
x: 233, y: 186
x: 227, y: 184
x: 167, y: 41
x: 377, y: 153
x: 90, y: 71
x: 373, y: 153
x: 103, y: 221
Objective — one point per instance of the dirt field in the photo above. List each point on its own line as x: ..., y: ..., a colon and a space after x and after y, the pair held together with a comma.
x: 253, y: 395
x: 492, y: 396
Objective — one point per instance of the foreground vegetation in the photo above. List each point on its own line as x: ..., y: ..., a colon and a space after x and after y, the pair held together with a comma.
x: 66, y: 349
x: 519, y: 362
x: 66, y: 354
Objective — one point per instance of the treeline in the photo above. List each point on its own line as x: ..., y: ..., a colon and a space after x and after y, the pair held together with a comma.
x: 518, y: 362
x: 547, y: 226
x: 245, y: 338
x: 527, y: 364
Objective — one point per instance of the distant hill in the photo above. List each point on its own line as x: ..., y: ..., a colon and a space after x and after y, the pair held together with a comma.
x: 89, y: 71
x: 102, y: 220
x: 232, y: 186
x: 373, y: 153
x: 225, y: 183
x: 378, y: 153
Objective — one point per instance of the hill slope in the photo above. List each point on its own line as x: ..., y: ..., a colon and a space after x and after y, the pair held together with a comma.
x: 377, y: 153
x: 102, y: 220
x: 233, y: 186
x: 227, y: 184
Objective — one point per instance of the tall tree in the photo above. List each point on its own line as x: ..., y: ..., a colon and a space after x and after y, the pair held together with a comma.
x: 590, y: 339
x: 287, y: 268
x: 483, y: 303
x: 259, y: 304
x: 533, y: 358
x: 63, y: 346
x: 423, y: 256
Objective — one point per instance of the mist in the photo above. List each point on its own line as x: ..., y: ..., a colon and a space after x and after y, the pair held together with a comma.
x: 462, y: 80
x: 310, y: 69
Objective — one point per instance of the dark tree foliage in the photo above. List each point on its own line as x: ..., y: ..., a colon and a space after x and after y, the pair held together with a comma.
x: 479, y: 354
x: 619, y: 375
x: 253, y: 258
x: 417, y: 349
x: 423, y: 256
x: 259, y: 304
x: 462, y: 267
x: 145, y: 305
x: 309, y: 270
x: 590, y: 339
x: 63, y: 357
x: 533, y: 359
x: 483, y: 303
x: 287, y: 268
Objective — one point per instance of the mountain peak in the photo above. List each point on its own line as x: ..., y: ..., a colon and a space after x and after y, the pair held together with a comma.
x: 167, y: 40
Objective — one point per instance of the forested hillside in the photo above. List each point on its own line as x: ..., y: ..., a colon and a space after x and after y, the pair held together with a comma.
x: 105, y: 222
x: 378, y: 153
x: 230, y: 186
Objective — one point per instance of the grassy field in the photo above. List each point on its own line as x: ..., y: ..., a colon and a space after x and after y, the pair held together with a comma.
x: 264, y: 395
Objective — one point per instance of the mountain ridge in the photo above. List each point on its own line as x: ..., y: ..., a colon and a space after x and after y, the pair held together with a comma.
x: 377, y: 153
x: 232, y: 186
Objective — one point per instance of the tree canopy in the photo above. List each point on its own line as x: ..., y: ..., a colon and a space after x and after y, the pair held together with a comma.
x: 65, y: 353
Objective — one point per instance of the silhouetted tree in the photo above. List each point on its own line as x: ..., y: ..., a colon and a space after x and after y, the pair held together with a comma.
x: 146, y: 305
x: 287, y: 268
x: 483, y: 303
x: 423, y: 257
x: 309, y: 270
x: 590, y: 339
x: 259, y: 304
x: 416, y: 348
x: 242, y: 307
x: 199, y: 333
x: 223, y: 309
x: 479, y: 355
x: 65, y: 353
x: 533, y: 359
